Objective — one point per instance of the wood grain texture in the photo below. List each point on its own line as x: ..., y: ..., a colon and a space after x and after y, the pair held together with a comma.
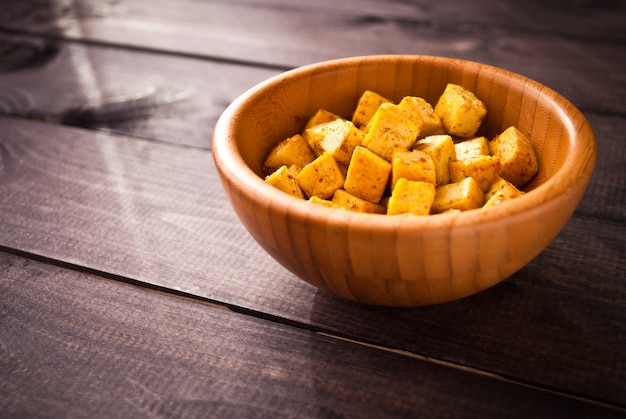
x: 103, y: 202
x: 605, y: 197
x: 285, y: 37
x: 81, y: 346
x: 141, y: 94
x: 591, y: 20
x: 151, y: 210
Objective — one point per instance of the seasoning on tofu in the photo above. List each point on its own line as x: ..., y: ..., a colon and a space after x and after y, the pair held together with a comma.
x: 505, y: 187
x: 338, y: 137
x: 473, y: 147
x: 441, y: 150
x: 464, y: 195
x: 516, y: 154
x: 344, y: 199
x: 413, y: 165
x: 291, y: 151
x: 411, y: 197
x: 461, y: 112
x: 366, y: 107
x: 483, y: 169
x: 368, y: 174
x: 407, y: 158
x: 284, y: 179
x: 320, y: 117
x: 391, y: 127
x: 321, y: 178
x: 423, y: 111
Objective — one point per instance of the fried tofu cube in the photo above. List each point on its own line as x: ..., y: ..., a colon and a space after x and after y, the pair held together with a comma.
x: 484, y: 170
x: 291, y: 151
x: 413, y: 165
x: 474, y: 147
x: 461, y: 112
x: 391, y: 127
x: 505, y: 187
x: 464, y: 195
x: 411, y: 197
x: 339, y: 138
x: 321, y: 178
x: 517, y: 156
x: 366, y: 107
x: 294, y: 169
x: 320, y: 117
x: 441, y: 150
x: 496, y: 199
x: 368, y: 174
x: 320, y: 201
x: 344, y: 199
x: 422, y: 110
x: 284, y: 180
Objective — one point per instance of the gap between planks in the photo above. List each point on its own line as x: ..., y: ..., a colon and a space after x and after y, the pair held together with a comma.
x: 143, y: 49
x: 476, y: 371
x: 220, y: 305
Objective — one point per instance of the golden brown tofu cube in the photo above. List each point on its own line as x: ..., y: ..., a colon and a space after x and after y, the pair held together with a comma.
x: 321, y: 178
x: 368, y: 174
x: 496, y: 199
x: 413, y: 165
x: 338, y: 138
x: 411, y: 197
x: 320, y: 201
x: 484, y: 170
x: 505, y: 187
x: 284, y: 180
x: 474, y: 147
x: 366, y: 107
x: 320, y: 117
x: 391, y: 127
x: 346, y: 200
x: 294, y: 169
x: 517, y: 156
x: 293, y: 150
x: 461, y: 112
x: 464, y: 195
x: 423, y: 111
x: 441, y: 150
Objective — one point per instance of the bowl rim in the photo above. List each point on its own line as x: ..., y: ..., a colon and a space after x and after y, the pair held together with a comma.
x: 232, y: 166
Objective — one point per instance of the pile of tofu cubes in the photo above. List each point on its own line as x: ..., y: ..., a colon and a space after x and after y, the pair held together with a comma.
x: 403, y: 158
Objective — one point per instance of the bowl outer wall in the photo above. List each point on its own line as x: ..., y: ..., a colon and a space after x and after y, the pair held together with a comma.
x: 402, y: 260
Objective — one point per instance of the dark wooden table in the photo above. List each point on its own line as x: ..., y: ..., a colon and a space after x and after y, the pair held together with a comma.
x: 128, y: 287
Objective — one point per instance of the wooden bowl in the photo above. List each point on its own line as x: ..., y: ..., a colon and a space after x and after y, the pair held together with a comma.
x: 402, y: 260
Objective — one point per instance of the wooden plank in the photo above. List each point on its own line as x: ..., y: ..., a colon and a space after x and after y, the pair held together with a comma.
x: 145, y: 95
x: 79, y: 346
x: 595, y: 20
x: 155, y: 213
x: 578, y: 19
x: 606, y: 195
x: 590, y: 73
x: 169, y: 98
